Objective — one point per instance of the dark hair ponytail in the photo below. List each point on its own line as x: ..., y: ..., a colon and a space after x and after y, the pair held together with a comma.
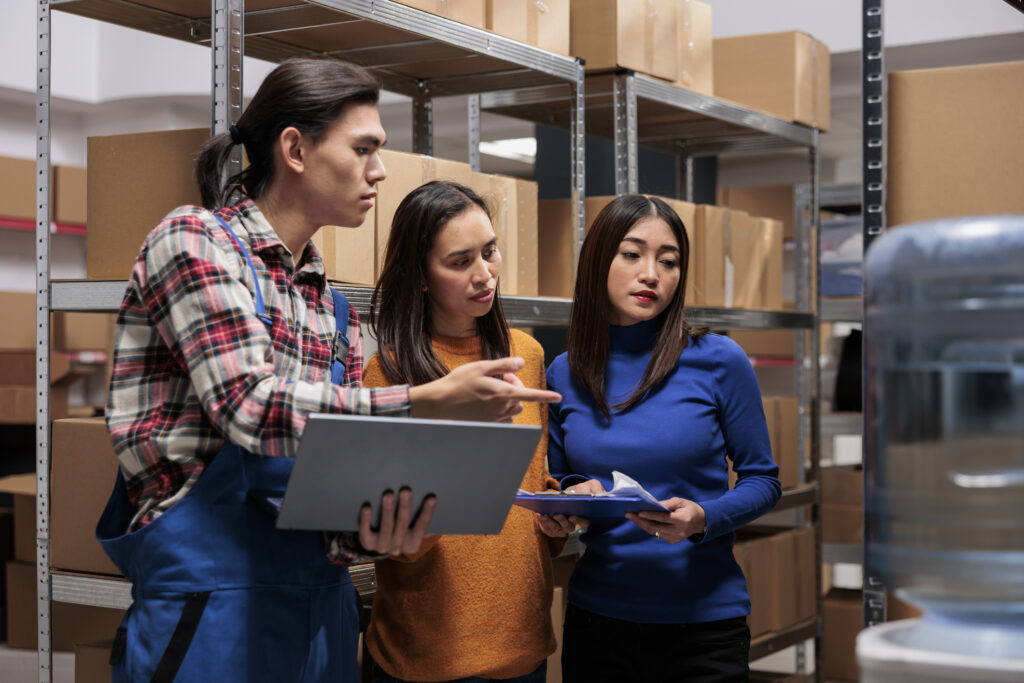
x: 309, y: 94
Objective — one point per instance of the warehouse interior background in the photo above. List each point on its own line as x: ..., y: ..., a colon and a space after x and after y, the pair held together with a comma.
x: 112, y: 80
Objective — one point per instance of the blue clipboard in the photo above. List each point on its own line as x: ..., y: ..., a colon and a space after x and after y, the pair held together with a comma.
x: 584, y: 505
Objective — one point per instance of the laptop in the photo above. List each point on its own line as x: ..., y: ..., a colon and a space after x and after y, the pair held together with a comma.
x: 474, y: 469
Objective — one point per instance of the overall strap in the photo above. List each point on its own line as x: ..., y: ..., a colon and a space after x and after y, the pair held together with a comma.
x: 341, y: 343
x: 261, y: 309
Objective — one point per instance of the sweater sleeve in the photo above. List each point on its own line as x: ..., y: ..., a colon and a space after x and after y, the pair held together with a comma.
x: 741, y: 415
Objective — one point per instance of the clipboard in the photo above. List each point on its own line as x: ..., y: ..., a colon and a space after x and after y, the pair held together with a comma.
x: 474, y: 469
x: 584, y: 504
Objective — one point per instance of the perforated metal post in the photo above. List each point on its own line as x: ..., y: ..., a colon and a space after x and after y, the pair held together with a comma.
x: 578, y: 134
x: 43, y: 589
x: 473, y: 112
x: 226, y: 19
x: 873, y: 212
x: 423, y: 122
x: 624, y: 100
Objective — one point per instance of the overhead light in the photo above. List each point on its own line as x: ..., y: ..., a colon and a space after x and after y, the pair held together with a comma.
x: 516, y: 149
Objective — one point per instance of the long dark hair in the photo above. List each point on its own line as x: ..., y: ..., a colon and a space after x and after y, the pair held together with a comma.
x: 398, y: 307
x: 590, y: 317
x: 309, y: 94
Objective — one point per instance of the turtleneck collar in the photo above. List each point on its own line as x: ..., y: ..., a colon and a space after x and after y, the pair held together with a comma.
x: 634, y: 338
x: 458, y: 346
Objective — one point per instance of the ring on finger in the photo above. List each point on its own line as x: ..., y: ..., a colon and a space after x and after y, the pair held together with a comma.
x: 657, y: 534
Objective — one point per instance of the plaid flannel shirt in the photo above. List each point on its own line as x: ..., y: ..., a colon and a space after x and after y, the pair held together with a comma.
x: 194, y: 366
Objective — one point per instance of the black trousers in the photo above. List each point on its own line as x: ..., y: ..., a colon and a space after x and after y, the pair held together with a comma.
x: 597, y: 648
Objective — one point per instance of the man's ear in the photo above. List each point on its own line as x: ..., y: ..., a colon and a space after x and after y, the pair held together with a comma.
x: 291, y: 147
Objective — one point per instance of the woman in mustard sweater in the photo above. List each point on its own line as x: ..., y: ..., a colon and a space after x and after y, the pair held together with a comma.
x: 463, y: 607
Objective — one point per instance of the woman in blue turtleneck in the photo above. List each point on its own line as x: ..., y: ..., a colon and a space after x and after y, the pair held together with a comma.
x: 656, y: 596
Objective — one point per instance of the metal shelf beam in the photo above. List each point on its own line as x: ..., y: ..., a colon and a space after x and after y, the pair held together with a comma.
x: 806, y: 494
x: 106, y: 296
x: 845, y: 310
x: 839, y: 424
x: 846, y: 553
x: 774, y: 642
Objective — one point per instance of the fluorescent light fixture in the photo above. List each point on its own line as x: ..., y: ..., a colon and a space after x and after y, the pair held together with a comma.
x: 517, y: 149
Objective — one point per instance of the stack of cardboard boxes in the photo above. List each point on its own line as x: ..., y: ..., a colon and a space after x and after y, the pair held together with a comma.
x: 779, y: 567
x: 735, y: 259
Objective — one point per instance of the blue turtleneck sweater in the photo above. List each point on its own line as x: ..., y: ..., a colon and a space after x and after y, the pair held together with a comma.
x: 674, y: 443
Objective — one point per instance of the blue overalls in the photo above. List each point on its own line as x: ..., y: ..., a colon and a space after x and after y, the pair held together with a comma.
x: 219, y: 593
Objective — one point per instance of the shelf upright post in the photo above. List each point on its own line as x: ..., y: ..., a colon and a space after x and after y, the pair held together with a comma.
x: 226, y: 67
x: 624, y: 96
x: 43, y: 588
x: 473, y: 111
x: 873, y: 210
x: 578, y: 134
x: 423, y: 121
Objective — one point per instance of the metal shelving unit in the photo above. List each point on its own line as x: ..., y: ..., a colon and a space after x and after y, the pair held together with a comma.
x: 634, y: 109
x: 412, y: 52
x: 425, y: 56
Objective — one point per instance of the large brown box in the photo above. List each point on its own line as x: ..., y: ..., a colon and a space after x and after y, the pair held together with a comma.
x: 956, y: 142
x: 771, y: 343
x: 18, y: 388
x: 134, y: 181
x: 783, y: 74
x: 794, y: 562
x: 707, y: 257
x: 471, y: 12
x: 693, y: 35
x: 69, y: 331
x: 744, y: 260
x: 22, y: 488
x: 527, y: 246
x: 753, y: 553
x: 771, y: 282
x: 70, y: 623
x: 842, y: 485
x: 543, y: 24
x: 556, y: 229
x: 770, y: 202
x: 842, y: 523
x: 348, y: 253
x: 18, y: 180
x: 632, y: 34
x: 782, y: 415
x: 69, y: 195
x: 83, y: 470
x: 842, y: 620
x: 92, y: 661
x: 406, y: 172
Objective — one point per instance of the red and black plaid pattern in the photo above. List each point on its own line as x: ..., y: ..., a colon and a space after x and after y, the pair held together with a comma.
x: 194, y: 366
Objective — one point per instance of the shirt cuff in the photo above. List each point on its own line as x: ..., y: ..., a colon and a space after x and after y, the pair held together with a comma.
x: 571, y: 479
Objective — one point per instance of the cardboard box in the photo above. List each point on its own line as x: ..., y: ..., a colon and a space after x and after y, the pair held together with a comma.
x: 753, y: 553
x: 92, y: 661
x: 771, y: 235
x: 556, y: 228
x: 471, y: 12
x: 783, y: 74
x: 134, y: 181
x: 782, y: 416
x: 18, y: 391
x: 693, y: 35
x: 744, y: 260
x: 349, y: 253
x: 526, y: 238
x: 70, y: 623
x: 82, y: 473
x: 769, y: 202
x: 842, y: 523
x: 18, y: 178
x: 543, y: 24
x: 765, y: 343
x: 632, y: 34
x: 69, y: 331
x: 842, y: 485
x: 22, y: 488
x: 843, y: 619
x: 794, y: 555
x: 69, y: 193
x: 955, y: 142
x: 687, y: 213
x: 707, y: 257
x: 406, y: 172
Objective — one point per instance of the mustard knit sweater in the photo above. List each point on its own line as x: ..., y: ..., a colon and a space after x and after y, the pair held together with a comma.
x: 470, y: 605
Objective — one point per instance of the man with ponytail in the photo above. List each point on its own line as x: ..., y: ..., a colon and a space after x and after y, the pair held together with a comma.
x: 227, y: 339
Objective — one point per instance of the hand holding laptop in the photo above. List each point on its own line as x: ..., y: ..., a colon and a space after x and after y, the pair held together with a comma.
x: 398, y: 533
x: 486, y: 391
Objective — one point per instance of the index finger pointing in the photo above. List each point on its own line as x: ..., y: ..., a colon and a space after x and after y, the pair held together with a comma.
x: 532, y: 395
